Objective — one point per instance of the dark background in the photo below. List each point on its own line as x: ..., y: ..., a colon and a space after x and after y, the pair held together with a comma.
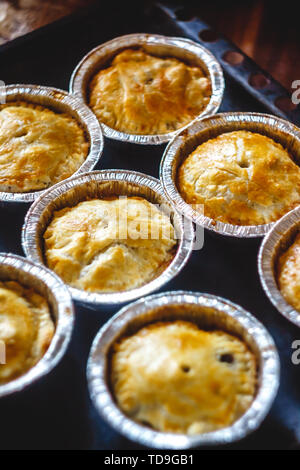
x: 265, y: 30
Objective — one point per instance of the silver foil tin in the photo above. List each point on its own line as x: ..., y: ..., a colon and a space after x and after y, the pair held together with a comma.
x: 187, y: 141
x: 61, y: 102
x: 276, y: 242
x: 207, y: 311
x: 163, y: 46
x: 104, y: 184
x: 47, y: 284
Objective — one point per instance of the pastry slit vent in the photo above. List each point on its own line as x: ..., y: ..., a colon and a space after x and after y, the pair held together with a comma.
x: 227, y: 357
x: 21, y: 133
x: 243, y: 164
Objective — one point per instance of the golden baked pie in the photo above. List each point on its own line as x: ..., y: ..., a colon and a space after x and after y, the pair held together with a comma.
x: 109, y: 244
x: 289, y: 274
x: 241, y: 178
x: 26, y: 329
x: 143, y: 94
x: 177, y: 378
x: 38, y: 147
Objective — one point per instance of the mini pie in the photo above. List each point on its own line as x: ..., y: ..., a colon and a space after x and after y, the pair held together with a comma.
x: 289, y: 274
x: 177, y: 378
x: 26, y: 329
x: 143, y: 94
x: 109, y: 245
x: 241, y: 178
x: 38, y: 147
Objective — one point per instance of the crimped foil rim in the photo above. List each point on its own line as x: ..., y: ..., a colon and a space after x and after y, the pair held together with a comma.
x: 266, y: 264
x: 173, y: 195
x: 59, y: 96
x: 130, y: 40
x: 64, y: 325
x: 185, y: 242
x: 269, y: 371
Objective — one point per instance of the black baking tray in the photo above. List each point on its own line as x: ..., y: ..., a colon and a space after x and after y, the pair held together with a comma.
x: 56, y: 413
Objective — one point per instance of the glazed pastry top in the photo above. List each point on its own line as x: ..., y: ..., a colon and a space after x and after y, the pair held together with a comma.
x: 143, y: 94
x: 241, y: 178
x: 109, y: 245
x: 289, y: 274
x: 38, y: 147
x: 177, y: 378
x: 26, y: 329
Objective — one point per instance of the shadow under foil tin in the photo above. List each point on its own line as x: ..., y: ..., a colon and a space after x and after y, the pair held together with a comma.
x: 61, y: 102
x: 207, y: 311
x: 276, y: 242
x: 161, y: 46
x: 98, y: 185
x: 47, y: 284
x: 182, y: 145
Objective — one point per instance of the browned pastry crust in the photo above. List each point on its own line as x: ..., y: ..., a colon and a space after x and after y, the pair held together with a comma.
x: 289, y: 274
x: 241, y: 178
x: 109, y: 245
x: 177, y: 378
x: 38, y: 147
x: 143, y: 94
x: 26, y: 329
